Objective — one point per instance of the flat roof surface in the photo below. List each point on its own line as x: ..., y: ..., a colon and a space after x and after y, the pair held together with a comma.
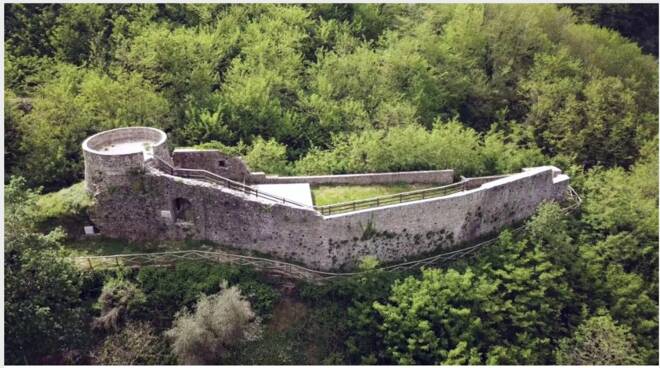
x: 125, y: 147
x: 300, y: 192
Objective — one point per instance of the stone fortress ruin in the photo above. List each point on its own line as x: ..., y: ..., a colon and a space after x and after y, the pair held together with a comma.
x: 142, y: 192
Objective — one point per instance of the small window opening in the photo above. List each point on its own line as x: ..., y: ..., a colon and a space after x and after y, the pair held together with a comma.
x: 222, y: 163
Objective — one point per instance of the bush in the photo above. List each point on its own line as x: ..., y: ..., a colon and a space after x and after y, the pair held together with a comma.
x: 136, y: 344
x: 67, y: 208
x: 219, y: 322
x: 599, y: 341
x: 238, y: 150
x: 449, y: 145
x: 168, y: 290
x: 118, y: 299
x: 262, y: 297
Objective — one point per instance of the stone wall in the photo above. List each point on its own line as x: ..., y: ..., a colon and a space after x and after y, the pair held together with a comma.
x: 159, y: 206
x: 439, y: 177
x: 104, y: 169
x: 230, y: 167
x: 234, y: 168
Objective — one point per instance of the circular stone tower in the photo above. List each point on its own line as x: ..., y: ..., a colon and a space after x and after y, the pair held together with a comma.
x: 113, y: 155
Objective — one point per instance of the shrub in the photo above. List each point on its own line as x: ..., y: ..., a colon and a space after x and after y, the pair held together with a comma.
x: 238, y: 150
x: 448, y: 145
x: 219, y: 322
x: 262, y: 297
x: 599, y: 341
x: 168, y: 290
x: 137, y: 343
x: 118, y: 298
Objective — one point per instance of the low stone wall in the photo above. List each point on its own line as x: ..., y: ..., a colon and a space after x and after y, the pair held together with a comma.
x: 471, y: 183
x: 234, y: 168
x: 439, y: 177
x: 121, y: 135
x: 230, y: 167
x: 159, y: 206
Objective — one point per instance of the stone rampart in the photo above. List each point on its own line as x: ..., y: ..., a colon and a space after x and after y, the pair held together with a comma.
x: 439, y: 177
x: 159, y: 206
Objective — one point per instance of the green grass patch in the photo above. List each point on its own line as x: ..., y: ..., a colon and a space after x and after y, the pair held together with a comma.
x: 66, y: 208
x: 68, y: 202
x: 100, y: 246
x: 331, y: 194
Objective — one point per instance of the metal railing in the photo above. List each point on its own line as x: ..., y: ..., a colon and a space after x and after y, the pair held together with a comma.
x: 228, y: 183
x: 331, y: 209
x: 385, y: 200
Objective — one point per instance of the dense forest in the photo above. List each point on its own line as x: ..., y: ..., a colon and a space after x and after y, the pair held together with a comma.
x: 331, y: 89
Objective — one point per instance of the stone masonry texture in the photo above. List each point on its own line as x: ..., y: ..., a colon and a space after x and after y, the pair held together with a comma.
x: 131, y: 206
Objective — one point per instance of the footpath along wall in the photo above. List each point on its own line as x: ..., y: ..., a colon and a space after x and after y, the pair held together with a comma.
x: 145, y: 203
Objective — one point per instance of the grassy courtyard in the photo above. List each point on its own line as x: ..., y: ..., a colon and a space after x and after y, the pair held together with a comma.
x: 331, y: 194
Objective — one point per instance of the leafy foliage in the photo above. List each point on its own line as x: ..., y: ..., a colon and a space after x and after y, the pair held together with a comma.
x: 118, y: 298
x: 342, y: 88
x: 137, y: 343
x: 302, y: 75
x: 599, y: 341
x: 219, y: 321
x: 167, y: 291
x: 42, y: 290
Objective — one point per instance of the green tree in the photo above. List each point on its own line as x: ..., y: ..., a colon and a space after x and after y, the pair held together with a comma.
x: 268, y: 156
x: 599, y: 341
x: 42, y: 289
x: 431, y: 321
x: 70, y: 108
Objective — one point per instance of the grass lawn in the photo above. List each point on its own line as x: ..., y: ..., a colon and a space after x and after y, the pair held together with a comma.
x: 331, y: 194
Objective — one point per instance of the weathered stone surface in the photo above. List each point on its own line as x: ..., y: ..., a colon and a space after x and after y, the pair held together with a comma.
x: 439, y: 177
x: 133, y: 205
x: 230, y: 167
x: 106, y: 167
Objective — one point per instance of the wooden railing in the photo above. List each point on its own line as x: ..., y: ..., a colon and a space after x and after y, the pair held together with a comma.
x: 272, y: 266
x: 571, y: 202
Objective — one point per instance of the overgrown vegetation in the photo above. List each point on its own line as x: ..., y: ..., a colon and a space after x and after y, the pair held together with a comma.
x: 328, y: 88
x: 219, y: 322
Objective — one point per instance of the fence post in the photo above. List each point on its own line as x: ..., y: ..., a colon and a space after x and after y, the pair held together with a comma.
x: 89, y: 261
x: 117, y: 261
